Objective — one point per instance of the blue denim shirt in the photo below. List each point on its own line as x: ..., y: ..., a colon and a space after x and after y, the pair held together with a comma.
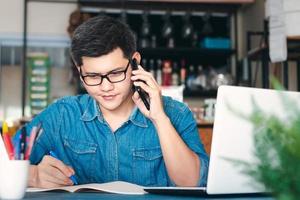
x: 75, y: 129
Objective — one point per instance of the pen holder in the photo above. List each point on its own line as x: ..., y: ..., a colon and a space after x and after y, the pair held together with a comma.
x: 13, y: 178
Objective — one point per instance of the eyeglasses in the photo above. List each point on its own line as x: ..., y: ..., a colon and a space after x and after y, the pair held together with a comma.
x: 96, y: 78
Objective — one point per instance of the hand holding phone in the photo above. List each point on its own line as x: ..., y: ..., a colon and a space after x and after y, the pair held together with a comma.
x: 143, y: 95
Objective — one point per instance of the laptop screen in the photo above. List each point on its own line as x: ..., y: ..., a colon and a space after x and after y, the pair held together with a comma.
x: 233, y: 137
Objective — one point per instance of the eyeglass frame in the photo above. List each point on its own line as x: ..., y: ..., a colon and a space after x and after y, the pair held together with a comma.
x: 106, y: 75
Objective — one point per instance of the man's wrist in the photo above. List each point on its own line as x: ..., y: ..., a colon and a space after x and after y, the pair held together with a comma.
x: 32, y: 176
x: 161, y: 119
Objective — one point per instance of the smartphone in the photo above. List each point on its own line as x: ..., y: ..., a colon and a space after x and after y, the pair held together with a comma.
x: 143, y: 95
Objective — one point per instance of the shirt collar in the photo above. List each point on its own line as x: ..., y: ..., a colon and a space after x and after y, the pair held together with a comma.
x: 92, y: 111
x: 137, y: 118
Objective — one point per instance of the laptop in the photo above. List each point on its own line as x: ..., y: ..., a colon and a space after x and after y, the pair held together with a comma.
x: 233, y: 139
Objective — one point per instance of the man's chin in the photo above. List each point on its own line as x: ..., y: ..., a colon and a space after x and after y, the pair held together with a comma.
x: 110, y: 107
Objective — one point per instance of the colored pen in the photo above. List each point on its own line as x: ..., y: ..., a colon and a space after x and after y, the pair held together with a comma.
x: 32, y: 138
x: 17, y: 146
x: 73, y: 179
x: 3, y: 151
x: 23, y: 143
x: 7, y: 142
x: 39, y: 132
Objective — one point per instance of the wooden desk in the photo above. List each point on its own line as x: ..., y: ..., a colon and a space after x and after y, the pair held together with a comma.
x: 206, y: 1
x: 100, y: 196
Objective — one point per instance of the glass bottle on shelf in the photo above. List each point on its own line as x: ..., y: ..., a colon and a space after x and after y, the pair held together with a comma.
x: 167, y: 31
x: 144, y: 64
x: 191, y: 78
x: 182, y: 72
x: 151, y: 67
x: 153, y: 41
x: 123, y: 17
x: 207, y: 28
x: 212, y: 74
x: 201, y: 81
x: 187, y: 31
x: 158, y: 72
x: 175, y: 74
x: 145, y: 31
x: 166, y: 73
x: 195, y: 39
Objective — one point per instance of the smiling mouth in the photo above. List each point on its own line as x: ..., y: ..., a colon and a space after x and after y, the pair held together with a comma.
x: 109, y: 97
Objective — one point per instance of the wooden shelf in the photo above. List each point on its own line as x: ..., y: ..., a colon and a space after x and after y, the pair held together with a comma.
x: 178, y: 5
x: 204, y: 1
x: 200, y: 93
x: 293, y: 38
x: 161, y: 1
x: 187, y: 51
x: 293, y: 50
x: 176, y: 1
x: 205, y: 124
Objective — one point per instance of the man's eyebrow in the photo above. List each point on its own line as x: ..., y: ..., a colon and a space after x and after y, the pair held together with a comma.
x: 117, y: 69
x: 91, y: 73
x: 95, y: 73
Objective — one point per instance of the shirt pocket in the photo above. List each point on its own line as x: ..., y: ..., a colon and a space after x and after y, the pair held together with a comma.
x: 82, y: 156
x: 146, y: 164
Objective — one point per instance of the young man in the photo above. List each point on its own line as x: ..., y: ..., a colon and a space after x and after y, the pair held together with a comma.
x: 108, y: 134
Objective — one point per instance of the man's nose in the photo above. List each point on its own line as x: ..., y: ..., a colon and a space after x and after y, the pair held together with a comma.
x: 106, y: 85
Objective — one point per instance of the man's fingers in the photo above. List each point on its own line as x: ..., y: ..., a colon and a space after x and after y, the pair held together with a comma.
x: 59, y: 176
x: 49, y: 184
x: 144, y: 86
x: 57, y: 181
x: 136, y: 95
x: 59, y: 165
x: 48, y: 173
x: 52, y: 172
x: 145, y: 78
x: 72, y: 170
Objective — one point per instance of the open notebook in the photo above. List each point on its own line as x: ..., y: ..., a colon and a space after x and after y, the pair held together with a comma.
x: 121, y: 187
x: 118, y: 187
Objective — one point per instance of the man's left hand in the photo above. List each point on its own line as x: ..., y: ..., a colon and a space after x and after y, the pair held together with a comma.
x: 149, y: 85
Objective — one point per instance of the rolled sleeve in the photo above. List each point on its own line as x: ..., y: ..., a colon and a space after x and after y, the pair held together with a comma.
x: 203, y: 171
x: 204, y: 162
x: 187, y: 128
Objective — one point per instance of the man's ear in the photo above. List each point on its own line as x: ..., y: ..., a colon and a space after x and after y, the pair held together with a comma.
x: 137, y: 56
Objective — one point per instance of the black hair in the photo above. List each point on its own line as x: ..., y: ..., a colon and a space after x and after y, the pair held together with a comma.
x: 100, y: 36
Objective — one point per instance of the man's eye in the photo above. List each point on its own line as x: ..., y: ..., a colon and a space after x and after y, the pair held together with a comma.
x: 93, y: 76
x: 115, y: 73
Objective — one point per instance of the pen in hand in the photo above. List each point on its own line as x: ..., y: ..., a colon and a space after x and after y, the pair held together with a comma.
x: 73, y: 179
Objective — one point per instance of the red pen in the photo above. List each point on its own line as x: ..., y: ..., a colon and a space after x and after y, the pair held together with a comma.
x: 33, y: 134
x: 7, y: 142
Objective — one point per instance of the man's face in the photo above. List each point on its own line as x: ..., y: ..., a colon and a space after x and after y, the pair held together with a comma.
x: 110, y: 96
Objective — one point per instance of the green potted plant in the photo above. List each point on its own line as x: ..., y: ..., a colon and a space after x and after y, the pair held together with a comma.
x: 277, y: 147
